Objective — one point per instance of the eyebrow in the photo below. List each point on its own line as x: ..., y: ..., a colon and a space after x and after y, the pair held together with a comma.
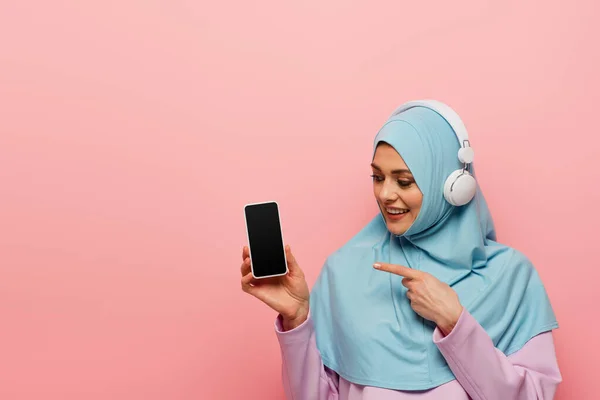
x: 396, y: 171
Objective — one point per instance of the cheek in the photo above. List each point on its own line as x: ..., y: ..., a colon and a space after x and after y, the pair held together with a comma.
x: 376, y: 190
x: 414, y: 199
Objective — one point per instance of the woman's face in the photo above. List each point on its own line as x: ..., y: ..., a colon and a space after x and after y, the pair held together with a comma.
x: 395, y: 189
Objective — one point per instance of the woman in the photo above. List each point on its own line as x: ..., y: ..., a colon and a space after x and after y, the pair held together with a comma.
x: 422, y: 303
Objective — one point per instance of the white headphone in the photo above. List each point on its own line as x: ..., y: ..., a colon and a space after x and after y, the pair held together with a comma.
x: 460, y: 186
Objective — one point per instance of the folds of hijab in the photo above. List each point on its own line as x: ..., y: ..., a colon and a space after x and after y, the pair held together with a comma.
x: 365, y: 328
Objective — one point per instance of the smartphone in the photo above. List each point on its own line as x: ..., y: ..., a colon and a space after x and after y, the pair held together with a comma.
x: 265, y: 240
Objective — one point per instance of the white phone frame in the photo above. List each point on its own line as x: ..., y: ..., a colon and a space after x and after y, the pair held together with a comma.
x: 248, y: 239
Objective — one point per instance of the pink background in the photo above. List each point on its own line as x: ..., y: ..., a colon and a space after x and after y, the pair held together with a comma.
x: 133, y: 132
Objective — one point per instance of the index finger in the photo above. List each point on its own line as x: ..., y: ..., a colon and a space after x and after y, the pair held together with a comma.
x: 398, y: 270
x: 245, y: 253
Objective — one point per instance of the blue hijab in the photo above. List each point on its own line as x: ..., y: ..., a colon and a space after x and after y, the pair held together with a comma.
x: 366, y: 330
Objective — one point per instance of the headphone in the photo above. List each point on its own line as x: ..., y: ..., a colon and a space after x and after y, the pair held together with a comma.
x: 460, y: 186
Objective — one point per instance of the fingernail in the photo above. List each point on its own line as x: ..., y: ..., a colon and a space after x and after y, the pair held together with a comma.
x: 376, y: 265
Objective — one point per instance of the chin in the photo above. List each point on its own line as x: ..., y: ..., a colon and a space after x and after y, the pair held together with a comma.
x: 397, y: 229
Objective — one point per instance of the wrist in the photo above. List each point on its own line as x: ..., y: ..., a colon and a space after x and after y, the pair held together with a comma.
x: 288, y: 323
x: 447, y: 322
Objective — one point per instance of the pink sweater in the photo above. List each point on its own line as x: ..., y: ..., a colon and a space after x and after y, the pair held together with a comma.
x: 482, y: 372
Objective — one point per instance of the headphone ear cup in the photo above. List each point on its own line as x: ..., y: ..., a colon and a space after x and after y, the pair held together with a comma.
x: 460, y: 188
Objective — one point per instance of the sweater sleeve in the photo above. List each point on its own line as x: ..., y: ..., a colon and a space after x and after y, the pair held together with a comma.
x: 486, y: 373
x: 304, y: 375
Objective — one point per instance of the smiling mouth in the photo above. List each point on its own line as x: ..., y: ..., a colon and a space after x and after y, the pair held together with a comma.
x: 396, y: 211
x: 395, y: 214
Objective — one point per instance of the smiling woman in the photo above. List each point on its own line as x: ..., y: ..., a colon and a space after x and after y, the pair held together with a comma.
x: 423, y: 301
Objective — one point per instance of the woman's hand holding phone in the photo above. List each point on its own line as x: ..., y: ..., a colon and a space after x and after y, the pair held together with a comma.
x: 288, y: 294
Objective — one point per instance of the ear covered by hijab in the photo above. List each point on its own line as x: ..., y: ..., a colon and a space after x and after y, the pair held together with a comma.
x: 365, y: 328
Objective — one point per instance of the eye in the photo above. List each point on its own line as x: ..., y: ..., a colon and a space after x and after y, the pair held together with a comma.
x: 404, y: 183
x: 377, y: 178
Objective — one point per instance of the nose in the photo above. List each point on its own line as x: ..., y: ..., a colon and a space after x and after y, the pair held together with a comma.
x: 388, y: 192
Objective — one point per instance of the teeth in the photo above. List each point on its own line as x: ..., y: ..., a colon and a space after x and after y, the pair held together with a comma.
x: 396, y: 211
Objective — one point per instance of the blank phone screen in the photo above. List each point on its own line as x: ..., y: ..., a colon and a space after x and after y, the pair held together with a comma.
x: 265, y: 240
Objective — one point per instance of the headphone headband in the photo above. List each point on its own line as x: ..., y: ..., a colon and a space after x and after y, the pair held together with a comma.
x: 446, y: 112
